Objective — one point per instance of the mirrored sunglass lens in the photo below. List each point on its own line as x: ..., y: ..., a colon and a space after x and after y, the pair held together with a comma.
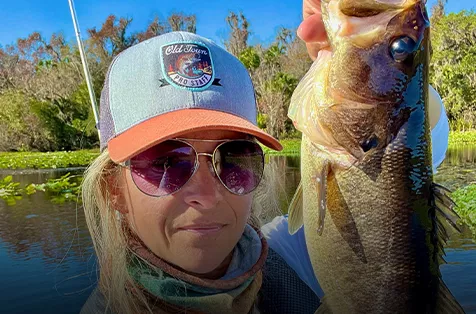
x: 239, y: 165
x: 163, y: 169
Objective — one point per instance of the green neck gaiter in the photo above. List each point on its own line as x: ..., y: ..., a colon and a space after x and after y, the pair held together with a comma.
x: 175, y: 291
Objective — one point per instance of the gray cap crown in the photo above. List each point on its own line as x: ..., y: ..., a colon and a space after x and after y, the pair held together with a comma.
x: 138, y: 88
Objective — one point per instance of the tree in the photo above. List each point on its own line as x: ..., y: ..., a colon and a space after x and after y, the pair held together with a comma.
x: 250, y: 58
x: 42, y: 82
x: 453, y: 67
x: 182, y: 22
x: 437, y: 11
x: 175, y: 22
x: 111, y: 39
x: 21, y: 128
x: 155, y: 28
x: 239, y: 33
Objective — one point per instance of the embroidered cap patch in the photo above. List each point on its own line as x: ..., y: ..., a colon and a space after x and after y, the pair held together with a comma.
x: 187, y: 65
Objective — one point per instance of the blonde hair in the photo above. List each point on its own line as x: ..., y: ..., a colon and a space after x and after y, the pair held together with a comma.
x: 110, y: 239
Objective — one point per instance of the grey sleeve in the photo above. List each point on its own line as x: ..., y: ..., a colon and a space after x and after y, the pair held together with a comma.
x: 283, y: 291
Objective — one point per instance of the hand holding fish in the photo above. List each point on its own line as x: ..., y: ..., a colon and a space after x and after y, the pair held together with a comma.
x: 312, y: 29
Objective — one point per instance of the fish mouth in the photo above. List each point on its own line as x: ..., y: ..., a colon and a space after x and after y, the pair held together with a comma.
x: 366, y: 21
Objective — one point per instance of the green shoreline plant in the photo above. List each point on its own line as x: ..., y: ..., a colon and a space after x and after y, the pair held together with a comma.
x: 48, y: 160
x: 65, y: 188
x: 465, y: 198
x: 59, y: 190
x: 462, y: 138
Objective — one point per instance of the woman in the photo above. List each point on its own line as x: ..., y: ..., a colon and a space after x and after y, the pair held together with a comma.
x: 169, y: 202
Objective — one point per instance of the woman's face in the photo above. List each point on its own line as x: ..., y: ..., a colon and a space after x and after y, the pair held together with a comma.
x: 197, y: 227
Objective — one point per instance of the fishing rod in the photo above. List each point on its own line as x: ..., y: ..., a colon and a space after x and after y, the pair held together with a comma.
x: 85, y: 65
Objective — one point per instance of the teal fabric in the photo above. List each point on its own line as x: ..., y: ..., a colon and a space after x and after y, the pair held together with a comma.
x: 282, y: 291
x: 187, y: 295
x: 177, y: 292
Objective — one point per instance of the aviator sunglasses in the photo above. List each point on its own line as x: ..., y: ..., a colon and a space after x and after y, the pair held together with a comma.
x: 165, y: 168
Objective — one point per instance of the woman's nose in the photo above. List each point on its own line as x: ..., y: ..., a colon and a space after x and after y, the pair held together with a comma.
x: 203, y: 190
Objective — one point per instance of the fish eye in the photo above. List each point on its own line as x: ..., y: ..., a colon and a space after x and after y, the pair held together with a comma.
x: 401, y: 48
x: 369, y: 144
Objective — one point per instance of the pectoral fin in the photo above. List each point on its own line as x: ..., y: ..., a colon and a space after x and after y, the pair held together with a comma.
x: 295, y: 220
x: 309, y: 99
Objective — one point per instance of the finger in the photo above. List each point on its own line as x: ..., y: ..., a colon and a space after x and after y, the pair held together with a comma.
x: 314, y: 48
x: 312, y: 29
x: 310, y: 7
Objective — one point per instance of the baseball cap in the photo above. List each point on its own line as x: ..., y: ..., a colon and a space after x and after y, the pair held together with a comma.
x: 170, y: 85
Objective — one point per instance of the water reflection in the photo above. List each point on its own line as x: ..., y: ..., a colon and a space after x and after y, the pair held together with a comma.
x: 459, y: 273
x: 47, y: 260
x: 46, y: 256
x: 459, y: 167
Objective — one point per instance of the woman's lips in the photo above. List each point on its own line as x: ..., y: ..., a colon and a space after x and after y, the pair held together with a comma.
x: 203, y: 229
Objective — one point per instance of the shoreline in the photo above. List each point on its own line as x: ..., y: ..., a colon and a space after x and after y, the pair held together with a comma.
x: 82, y: 158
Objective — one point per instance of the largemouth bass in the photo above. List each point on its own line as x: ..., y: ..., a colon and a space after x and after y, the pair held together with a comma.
x: 374, y: 221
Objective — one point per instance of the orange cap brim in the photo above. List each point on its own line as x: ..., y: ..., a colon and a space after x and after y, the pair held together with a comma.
x: 176, y: 123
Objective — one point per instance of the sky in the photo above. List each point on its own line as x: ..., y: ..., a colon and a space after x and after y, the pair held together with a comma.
x: 19, y: 18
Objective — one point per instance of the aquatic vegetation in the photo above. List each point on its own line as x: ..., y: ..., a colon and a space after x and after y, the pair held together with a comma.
x: 458, y: 138
x: 465, y: 199
x: 291, y: 147
x: 60, y: 190
x: 65, y: 188
x: 10, y: 191
x: 48, y: 160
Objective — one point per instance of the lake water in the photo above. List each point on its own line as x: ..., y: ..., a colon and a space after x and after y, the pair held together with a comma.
x: 47, y: 262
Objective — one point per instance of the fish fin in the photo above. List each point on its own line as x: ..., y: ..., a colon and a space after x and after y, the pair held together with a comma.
x: 446, y: 215
x: 445, y: 302
x: 343, y: 219
x: 323, y: 307
x: 446, y: 219
x: 309, y: 99
x: 442, y: 187
x: 295, y: 220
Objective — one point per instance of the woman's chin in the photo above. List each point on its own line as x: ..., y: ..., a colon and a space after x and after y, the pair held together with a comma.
x: 204, y: 265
